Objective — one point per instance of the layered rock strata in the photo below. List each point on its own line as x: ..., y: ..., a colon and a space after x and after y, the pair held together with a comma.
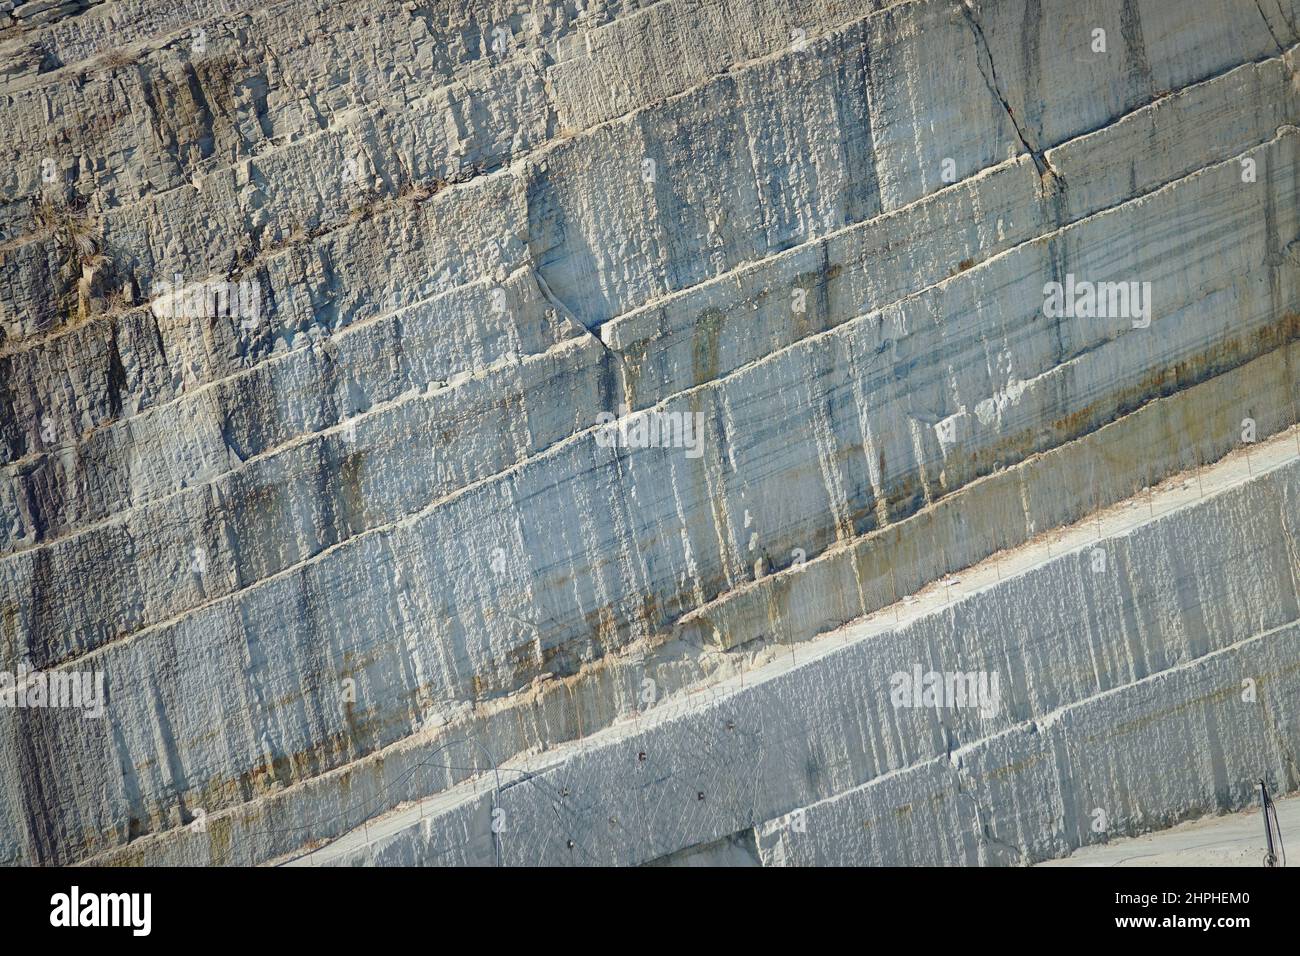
x: 367, y: 502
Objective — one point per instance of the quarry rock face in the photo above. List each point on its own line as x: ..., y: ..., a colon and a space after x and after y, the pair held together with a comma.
x: 674, y: 431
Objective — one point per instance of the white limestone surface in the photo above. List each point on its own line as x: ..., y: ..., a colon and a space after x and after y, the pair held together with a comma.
x: 293, y: 539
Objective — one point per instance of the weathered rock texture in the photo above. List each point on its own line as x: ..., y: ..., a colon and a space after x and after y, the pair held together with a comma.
x: 312, y: 548
x: 1122, y: 692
